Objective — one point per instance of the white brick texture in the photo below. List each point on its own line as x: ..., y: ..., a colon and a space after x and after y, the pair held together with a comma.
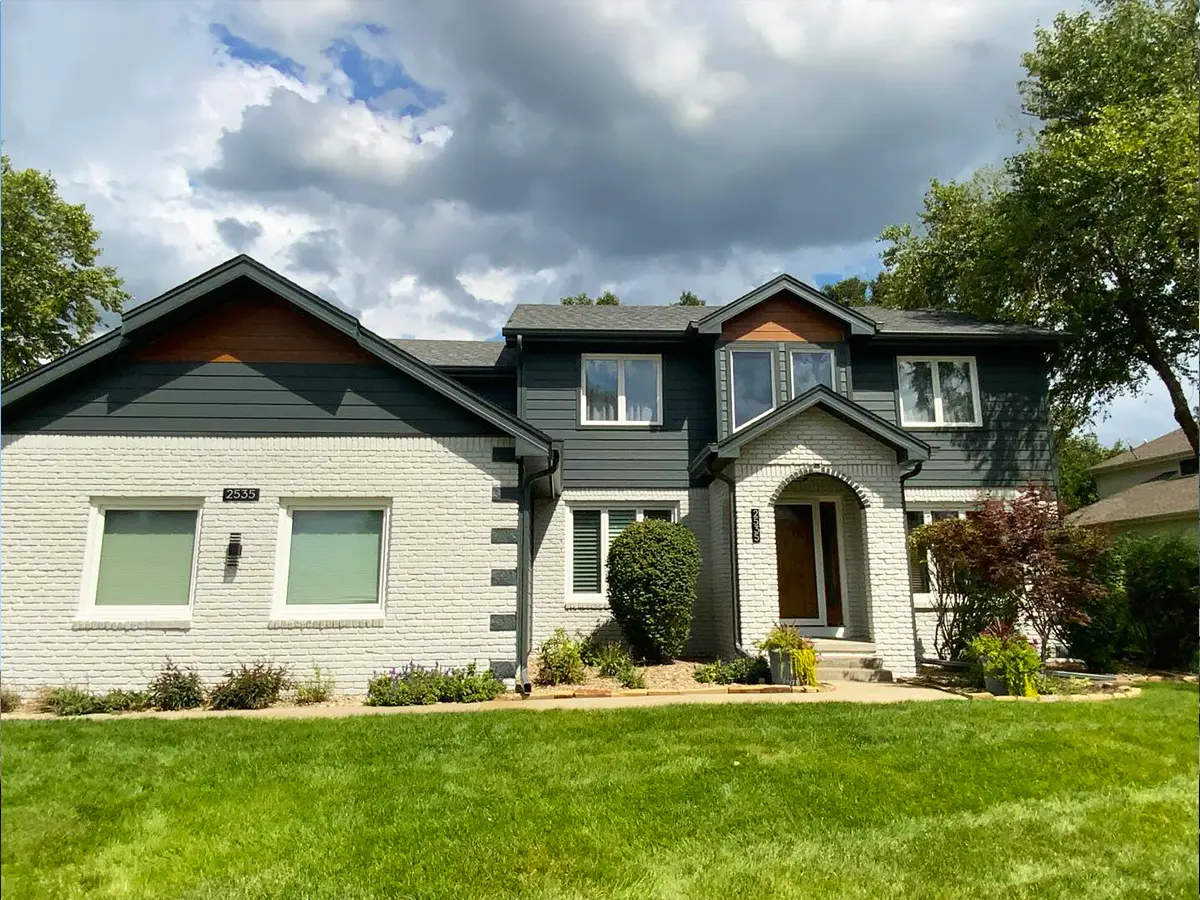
x: 438, y: 598
x: 815, y: 442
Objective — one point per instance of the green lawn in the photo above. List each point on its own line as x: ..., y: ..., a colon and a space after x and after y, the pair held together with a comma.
x: 809, y: 801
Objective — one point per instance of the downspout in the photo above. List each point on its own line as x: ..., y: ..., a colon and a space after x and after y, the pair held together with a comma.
x: 904, y: 476
x: 733, y: 554
x: 525, y: 570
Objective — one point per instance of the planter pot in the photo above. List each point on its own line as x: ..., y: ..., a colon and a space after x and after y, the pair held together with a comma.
x: 780, y: 662
x: 991, y: 684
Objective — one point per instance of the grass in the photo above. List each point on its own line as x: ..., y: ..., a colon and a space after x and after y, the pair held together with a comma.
x: 961, y: 799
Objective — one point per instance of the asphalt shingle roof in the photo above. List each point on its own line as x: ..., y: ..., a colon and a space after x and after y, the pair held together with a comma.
x: 1173, y: 443
x: 1149, y: 500
x: 465, y: 354
x: 549, y: 317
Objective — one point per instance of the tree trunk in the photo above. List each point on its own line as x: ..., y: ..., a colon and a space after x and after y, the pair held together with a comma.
x: 1183, y: 413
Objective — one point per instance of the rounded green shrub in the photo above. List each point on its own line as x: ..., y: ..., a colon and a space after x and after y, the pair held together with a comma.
x: 652, y: 571
x: 560, y: 660
x: 1162, y: 582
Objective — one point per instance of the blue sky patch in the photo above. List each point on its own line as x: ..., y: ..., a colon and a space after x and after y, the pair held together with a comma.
x: 240, y: 48
x: 381, y: 83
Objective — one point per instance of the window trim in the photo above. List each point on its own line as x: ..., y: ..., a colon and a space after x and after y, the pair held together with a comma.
x: 733, y: 426
x: 599, y: 600
x: 938, y: 416
x: 331, y: 612
x: 924, y: 600
x: 620, y: 421
x: 833, y: 369
x: 88, y: 610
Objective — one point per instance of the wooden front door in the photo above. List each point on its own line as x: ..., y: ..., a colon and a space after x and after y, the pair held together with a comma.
x: 796, y: 562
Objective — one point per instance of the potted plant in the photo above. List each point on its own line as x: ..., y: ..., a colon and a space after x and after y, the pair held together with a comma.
x: 1007, y: 660
x: 790, y: 656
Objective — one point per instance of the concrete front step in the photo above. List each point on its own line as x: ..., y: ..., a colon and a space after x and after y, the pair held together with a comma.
x: 838, y: 673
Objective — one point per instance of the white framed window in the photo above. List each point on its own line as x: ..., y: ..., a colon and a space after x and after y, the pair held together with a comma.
x: 752, y: 386
x: 590, y: 530
x: 922, y: 576
x: 140, y: 559
x: 331, y: 560
x: 937, y: 391
x: 620, y: 389
x: 810, y: 368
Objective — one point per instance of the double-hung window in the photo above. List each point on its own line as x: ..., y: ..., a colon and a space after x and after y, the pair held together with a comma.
x: 810, y: 368
x: 331, y: 560
x: 620, y: 390
x: 938, y: 390
x: 141, y: 560
x: 752, y: 385
x: 591, y: 533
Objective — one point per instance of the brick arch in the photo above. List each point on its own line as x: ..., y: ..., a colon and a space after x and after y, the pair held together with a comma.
x: 804, y: 471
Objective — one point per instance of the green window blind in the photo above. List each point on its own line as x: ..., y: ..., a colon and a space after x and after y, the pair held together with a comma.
x: 146, y: 557
x: 334, y: 556
x: 585, y: 551
x: 664, y: 514
x: 618, y: 519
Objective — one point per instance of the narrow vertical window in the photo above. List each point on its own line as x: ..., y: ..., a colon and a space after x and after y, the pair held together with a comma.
x: 753, y: 388
x: 585, y: 551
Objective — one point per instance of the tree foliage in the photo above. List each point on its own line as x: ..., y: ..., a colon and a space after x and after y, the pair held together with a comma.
x: 1091, y: 227
x: 687, y: 298
x: 1077, y: 453
x: 608, y: 298
x: 51, y: 289
x: 855, y: 291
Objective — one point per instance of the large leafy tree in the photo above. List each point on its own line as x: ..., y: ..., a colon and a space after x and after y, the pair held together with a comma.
x: 1077, y: 453
x: 51, y: 289
x: 1092, y: 226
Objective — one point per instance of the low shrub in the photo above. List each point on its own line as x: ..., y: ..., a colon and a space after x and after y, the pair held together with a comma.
x: 744, y: 670
x: 1104, y: 633
x: 1007, y: 655
x: 68, y: 701
x: 173, y: 688
x: 251, y: 687
x: 560, y: 660
x: 1163, y: 585
x: 414, y: 685
x: 10, y: 701
x: 633, y: 678
x: 652, y: 570
x: 800, y: 650
x: 316, y: 689
x: 1049, y: 684
x: 614, y: 661
x: 117, y: 701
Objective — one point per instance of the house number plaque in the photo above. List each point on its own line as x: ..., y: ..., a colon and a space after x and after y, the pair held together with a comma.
x: 755, y: 527
x: 239, y: 495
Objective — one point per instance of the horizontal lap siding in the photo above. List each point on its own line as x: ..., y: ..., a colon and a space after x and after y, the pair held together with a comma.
x: 1013, y: 446
x: 499, y: 389
x: 634, y: 456
x: 228, y: 398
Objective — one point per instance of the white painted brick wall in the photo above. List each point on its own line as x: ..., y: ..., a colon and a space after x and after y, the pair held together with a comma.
x: 439, y: 595
x: 552, y: 605
x: 930, y: 497
x: 816, y: 441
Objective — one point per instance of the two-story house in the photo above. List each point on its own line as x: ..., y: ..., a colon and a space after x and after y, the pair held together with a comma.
x: 241, y: 470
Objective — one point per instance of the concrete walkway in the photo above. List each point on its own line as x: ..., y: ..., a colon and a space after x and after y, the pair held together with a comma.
x: 844, y: 692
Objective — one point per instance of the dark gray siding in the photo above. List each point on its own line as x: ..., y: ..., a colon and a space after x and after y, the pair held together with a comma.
x: 1013, y: 446
x: 625, y: 456
x: 246, y: 399
x: 499, y: 389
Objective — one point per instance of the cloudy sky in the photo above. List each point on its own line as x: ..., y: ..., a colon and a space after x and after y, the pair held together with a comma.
x: 429, y: 164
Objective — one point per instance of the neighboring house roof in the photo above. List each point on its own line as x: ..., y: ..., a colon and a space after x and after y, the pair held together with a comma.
x: 907, y: 446
x: 133, y: 322
x: 462, y: 354
x: 1172, y: 445
x: 1156, y: 499
x: 546, y: 318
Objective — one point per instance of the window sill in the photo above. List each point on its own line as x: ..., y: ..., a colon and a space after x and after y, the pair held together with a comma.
x: 620, y: 424
x: 598, y: 604
x: 144, y: 624
x: 940, y: 426
x: 326, y: 623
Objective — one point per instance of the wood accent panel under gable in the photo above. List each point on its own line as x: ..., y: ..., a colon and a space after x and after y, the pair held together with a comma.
x: 255, y: 328
x: 784, y: 318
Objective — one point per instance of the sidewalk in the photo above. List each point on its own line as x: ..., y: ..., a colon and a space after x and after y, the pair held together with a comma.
x: 844, y: 692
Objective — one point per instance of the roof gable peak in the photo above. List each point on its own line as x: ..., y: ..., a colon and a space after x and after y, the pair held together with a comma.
x: 856, y: 322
